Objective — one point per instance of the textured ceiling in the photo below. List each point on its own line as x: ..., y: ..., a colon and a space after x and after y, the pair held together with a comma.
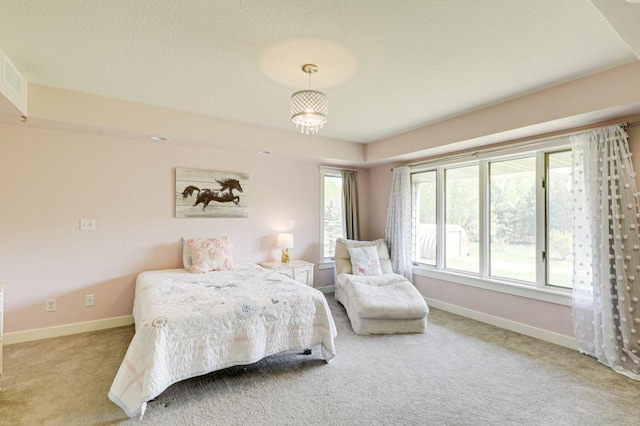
x: 387, y: 66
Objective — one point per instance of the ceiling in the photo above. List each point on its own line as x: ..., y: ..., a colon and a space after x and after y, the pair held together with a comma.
x: 386, y: 66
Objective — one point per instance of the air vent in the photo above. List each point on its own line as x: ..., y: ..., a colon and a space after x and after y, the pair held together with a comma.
x: 13, y: 89
x: 12, y: 77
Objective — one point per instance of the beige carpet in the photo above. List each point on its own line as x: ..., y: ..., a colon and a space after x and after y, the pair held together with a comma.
x: 460, y: 372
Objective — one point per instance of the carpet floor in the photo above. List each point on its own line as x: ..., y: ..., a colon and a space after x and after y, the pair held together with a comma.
x: 460, y: 372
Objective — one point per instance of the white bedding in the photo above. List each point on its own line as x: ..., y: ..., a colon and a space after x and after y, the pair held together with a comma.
x: 192, y: 324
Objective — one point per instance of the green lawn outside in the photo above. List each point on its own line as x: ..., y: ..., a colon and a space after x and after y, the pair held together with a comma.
x: 515, y: 262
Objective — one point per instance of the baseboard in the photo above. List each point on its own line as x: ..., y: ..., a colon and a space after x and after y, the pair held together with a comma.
x: 527, y: 330
x: 67, y: 329
x: 327, y: 289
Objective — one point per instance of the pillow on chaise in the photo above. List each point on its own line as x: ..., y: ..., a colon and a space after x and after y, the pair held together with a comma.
x: 364, y: 260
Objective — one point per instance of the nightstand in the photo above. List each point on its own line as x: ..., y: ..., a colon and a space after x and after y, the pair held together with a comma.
x: 299, y: 270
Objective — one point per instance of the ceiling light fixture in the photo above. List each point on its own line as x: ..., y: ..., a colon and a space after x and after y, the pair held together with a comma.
x: 309, y: 108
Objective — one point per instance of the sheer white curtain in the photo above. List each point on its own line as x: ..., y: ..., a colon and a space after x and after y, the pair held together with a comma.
x: 606, y: 289
x: 398, y: 231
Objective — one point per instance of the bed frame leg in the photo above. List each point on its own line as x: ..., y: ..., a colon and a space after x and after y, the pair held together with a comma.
x: 307, y: 351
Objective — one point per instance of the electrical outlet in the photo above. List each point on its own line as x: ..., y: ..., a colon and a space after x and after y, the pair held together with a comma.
x: 87, y: 224
x: 50, y: 305
x: 89, y: 300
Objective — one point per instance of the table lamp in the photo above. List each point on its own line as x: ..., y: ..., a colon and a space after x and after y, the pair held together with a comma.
x: 285, y: 242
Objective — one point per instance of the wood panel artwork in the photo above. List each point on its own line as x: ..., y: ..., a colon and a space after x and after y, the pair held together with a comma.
x: 208, y: 193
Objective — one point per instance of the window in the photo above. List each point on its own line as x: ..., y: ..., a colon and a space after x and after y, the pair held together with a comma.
x: 559, y: 219
x: 512, y: 212
x: 424, y: 210
x: 503, y: 217
x: 461, y: 218
x: 332, y: 222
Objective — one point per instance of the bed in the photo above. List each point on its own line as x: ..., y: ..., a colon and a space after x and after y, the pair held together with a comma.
x: 190, y: 324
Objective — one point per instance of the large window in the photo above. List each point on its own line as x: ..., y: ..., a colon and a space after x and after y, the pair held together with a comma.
x: 332, y: 211
x: 503, y: 217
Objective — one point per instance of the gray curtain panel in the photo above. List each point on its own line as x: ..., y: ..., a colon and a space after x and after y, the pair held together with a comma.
x: 350, y: 201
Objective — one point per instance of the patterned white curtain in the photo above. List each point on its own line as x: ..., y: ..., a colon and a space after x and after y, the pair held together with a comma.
x: 398, y: 231
x: 606, y: 289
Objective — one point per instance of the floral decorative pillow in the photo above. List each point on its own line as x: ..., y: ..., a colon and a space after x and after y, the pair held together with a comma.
x: 364, y: 260
x: 210, y: 254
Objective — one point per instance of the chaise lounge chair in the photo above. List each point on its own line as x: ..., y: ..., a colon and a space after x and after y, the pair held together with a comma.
x: 377, y: 300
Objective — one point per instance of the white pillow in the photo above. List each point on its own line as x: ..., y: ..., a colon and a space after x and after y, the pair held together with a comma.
x: 364, y: 261
x: 210, y: 254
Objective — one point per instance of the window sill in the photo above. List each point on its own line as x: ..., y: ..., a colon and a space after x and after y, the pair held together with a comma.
x: 326, y: 264
x: 559, y: 296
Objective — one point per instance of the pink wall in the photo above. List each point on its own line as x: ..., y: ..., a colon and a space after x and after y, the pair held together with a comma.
x: 534, y: 313
x: 379, y: 191
x: 51, y: 179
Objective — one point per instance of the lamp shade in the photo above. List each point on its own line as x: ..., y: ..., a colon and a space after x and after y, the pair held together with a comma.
x: 285, y: 241
x: 309, y: 108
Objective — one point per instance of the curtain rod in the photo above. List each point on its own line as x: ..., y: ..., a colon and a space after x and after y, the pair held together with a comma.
x: 539, y: 140
x: 339, y: 168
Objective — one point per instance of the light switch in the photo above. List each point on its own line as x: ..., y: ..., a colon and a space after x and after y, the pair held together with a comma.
x: 87, y: 224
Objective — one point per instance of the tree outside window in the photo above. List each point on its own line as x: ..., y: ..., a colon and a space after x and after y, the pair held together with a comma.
x: 520, y: 201
x: 332, y: 208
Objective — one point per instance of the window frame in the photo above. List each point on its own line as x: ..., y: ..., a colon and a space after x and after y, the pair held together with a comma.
x: 327, y: 262
x: 540, y: 290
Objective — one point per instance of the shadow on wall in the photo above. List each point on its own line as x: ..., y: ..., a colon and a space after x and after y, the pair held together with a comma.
x: 160, y: 256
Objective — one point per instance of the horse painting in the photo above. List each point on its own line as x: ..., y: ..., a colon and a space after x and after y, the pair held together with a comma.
x: 223, y: 195
x: 211, y: 193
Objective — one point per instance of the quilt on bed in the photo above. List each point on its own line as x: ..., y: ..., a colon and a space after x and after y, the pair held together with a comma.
x: 192, y: 324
